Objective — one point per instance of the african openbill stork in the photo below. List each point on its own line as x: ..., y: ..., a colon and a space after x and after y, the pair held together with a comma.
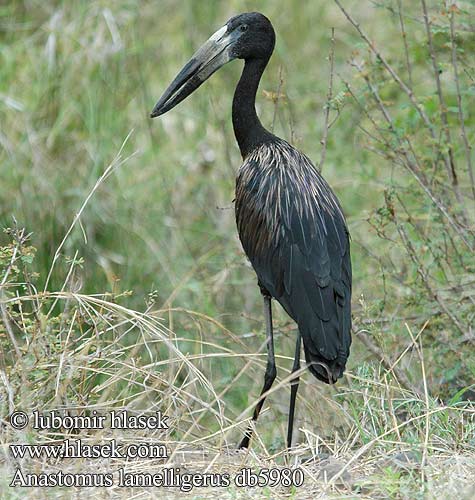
x: 290, y: 222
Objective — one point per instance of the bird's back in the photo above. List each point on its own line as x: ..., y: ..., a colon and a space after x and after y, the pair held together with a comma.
x: 293, y: 230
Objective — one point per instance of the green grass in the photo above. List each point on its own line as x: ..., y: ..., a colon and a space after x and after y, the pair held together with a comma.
x: 151, y: 300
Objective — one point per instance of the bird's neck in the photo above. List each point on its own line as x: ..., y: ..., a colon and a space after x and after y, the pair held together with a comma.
x: 248, y: 129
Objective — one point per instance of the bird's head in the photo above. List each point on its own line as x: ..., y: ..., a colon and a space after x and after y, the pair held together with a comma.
x: 246, y: 36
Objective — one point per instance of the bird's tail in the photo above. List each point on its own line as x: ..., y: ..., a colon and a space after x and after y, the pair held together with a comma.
x: 324, y: 369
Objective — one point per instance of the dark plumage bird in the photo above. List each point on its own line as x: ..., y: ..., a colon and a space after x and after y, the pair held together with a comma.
x: 289, y: 220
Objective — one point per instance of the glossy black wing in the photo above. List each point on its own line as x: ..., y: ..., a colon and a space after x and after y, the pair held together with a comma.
x: 294, y: 233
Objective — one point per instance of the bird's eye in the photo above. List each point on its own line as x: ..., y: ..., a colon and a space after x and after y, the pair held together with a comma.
x: 243, y: 27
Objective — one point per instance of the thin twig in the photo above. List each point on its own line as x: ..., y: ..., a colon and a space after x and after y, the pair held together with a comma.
x: 323, y: 142
x: 449, y: 157
x: 467, y: 146
x: 406, y: 48
x: 390, y: 70
x: 411, y: 344
x: 414, y: 169
x: 386, y: 362
x: 5, y: 314
x: 420, y: 267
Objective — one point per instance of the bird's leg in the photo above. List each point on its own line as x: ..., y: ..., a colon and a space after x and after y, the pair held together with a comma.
x: 294, y: 386
x: 271, y: 371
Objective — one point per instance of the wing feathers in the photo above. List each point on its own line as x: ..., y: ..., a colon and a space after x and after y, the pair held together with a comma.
x: 294, y: 233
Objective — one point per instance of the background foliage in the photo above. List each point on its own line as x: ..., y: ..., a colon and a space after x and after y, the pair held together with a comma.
x: 156, y: 232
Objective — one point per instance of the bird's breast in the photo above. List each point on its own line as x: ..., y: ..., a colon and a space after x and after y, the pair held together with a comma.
x: 281, y: 199
x: 256, y: 202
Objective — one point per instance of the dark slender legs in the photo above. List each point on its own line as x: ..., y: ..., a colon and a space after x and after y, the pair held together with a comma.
x: 271, y: 371
x: 294, y: 386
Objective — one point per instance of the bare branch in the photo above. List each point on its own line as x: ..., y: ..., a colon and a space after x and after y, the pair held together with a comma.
x: 467, y: 146
x: 404, y: 38
x: 386, y: 362
x: 408, y: 163
x: 326, y: 126
x: 420, y: 267
x: 408, y: 91
x: 449, y: 157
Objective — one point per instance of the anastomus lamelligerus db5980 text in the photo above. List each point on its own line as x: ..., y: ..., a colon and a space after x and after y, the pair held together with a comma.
x: 289, y: 220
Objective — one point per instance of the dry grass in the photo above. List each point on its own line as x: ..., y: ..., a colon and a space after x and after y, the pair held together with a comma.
x: 78, y: 77
x: 385, y: 440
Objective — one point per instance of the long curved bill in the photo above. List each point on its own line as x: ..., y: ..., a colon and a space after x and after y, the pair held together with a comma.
x: 214, y: 53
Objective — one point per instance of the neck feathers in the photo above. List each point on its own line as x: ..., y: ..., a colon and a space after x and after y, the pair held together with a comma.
x: 248, y: 129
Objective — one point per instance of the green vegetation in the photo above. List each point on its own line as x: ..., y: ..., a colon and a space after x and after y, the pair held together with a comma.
x: 122, y: 280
